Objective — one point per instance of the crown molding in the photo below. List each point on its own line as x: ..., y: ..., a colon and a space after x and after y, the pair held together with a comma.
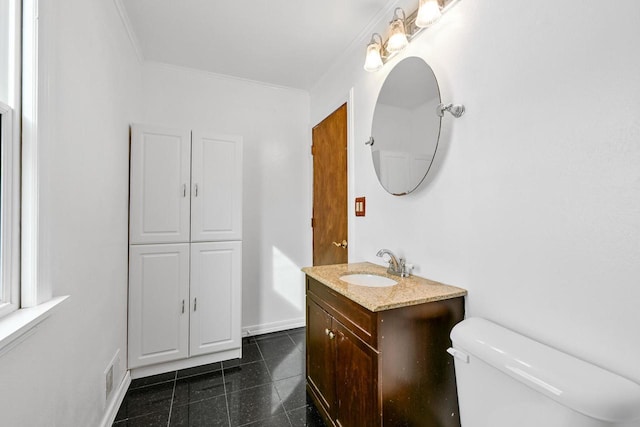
x: 124, y: 16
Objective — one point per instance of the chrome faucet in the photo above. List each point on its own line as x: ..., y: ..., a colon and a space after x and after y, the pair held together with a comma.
x: 397, y: 267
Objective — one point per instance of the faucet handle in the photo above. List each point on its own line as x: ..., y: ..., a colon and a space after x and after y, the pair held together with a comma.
x: 405, y: 269
x: 402, y: 265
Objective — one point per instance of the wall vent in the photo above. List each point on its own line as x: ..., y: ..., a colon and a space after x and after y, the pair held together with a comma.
x: 111, y: 374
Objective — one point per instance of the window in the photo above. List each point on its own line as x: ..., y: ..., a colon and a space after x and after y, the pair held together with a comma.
x: 9, y: 156
x: 9, y: 203
x: 25, y: 300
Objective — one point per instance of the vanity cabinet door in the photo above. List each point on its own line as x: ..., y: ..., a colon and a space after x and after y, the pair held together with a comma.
x: 356, y: 366
x: 320, y: 356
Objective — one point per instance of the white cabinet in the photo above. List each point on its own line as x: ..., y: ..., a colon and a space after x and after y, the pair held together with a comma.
x: 184, y: 300
x: 160, y: 185
x: 158, y: 303
x: 216, y: 173
x: 215, y: 297
x: 185, y: 256
x: 181, y: 183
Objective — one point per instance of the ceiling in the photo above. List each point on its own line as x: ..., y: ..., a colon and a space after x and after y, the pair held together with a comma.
x: 288, y: 43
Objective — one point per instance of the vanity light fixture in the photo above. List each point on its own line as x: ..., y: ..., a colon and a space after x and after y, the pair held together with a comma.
x: 428, y: 13
x: 402, y: 29
x: 397, y: 34
x: 373, y: 61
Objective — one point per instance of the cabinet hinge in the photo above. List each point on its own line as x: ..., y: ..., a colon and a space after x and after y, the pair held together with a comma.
x: 313, y: 223
x: 313, y: 150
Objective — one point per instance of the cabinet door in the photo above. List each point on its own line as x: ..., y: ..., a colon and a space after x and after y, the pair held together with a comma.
x: 158, y: 303
x: 216, y: 205
x: 216, y: 280
x: 357, y: 374
x: 320, y: 356
x: 160, y: 184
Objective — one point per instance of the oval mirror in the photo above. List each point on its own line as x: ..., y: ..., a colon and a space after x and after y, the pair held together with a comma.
x: 406, y: 126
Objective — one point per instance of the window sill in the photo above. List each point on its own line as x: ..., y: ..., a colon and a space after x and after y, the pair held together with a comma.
x: 17, y: 326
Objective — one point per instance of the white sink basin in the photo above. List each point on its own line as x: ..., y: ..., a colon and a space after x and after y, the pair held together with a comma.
x: 371, y: 280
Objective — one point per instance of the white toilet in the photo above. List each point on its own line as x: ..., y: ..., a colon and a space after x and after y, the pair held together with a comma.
x: 507, y: 380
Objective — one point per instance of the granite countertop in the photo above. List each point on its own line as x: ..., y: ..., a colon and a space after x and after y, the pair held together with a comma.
x: 409, y: 290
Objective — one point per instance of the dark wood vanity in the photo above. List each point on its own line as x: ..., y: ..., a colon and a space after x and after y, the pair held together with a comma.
x: 380, y: 368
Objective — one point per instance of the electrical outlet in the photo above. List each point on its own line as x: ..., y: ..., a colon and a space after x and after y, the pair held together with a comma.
x: 360, y: 206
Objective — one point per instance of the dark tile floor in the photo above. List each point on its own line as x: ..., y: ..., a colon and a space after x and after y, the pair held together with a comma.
x: 265, y: 388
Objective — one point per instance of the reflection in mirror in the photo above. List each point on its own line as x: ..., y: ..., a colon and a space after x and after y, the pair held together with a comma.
x: 406, y: 126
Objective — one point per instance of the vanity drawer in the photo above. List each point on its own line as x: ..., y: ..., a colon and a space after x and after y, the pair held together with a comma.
x: 362, y: 322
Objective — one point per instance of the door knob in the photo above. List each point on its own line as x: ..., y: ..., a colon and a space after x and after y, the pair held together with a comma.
x: 342, y: 245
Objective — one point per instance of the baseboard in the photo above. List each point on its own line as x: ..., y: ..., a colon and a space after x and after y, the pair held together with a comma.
x: 266, y: 328
x: 116, y: 400
x: 189, y: 362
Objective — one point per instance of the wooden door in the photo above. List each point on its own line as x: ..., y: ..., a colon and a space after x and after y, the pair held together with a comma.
x: 357, y: 373
x: 160, y: 180
x: 330, y: 189
x: 320, y: 356
x: 215, y: 297
x: 216, y: 196
x: 158, y: 303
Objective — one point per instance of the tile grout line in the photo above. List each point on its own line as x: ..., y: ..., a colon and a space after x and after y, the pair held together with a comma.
x: 273, y: 381
x: 286, y: 412
x: 294, y: 343
x: 226, y: 397
x: 263, y: 360
x: 173, y: 394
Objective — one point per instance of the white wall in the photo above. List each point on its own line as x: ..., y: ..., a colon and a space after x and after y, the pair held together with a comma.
x: 274, y: 123
x: 56, y: 377
x: 534, y: 203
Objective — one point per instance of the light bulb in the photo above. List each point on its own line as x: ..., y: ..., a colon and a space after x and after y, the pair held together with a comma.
x: 428, y: 13
x: 373, y: 61
x: 397, y: 36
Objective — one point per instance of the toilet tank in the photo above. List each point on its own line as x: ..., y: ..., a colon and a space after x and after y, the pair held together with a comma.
x: 505, y: 379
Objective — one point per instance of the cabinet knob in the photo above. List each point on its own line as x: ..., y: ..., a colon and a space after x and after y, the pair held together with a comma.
x: 330, y: 334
